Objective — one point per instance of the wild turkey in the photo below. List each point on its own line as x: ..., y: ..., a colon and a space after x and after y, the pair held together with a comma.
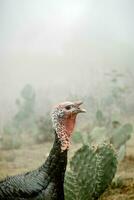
x: 47, y: 181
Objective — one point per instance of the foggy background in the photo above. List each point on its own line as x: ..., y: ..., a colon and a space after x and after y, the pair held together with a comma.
x: 53, y: 51
x: 62, y: 48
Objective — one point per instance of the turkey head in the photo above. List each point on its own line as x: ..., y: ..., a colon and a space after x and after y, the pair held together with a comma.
x: 63, y: 118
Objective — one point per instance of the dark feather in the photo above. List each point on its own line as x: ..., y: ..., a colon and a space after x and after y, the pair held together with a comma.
x: 44, y: 183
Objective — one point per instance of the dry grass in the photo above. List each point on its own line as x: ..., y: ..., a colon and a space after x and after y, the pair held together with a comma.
x: 126, y: 192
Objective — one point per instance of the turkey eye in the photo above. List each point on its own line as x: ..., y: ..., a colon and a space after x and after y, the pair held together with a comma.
x: 68, y: 107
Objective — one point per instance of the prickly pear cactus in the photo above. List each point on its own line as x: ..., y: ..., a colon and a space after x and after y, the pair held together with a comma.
x: 98, y: 135
x: 121, y: 152
x: 121, y: 135
x: 91, y: 172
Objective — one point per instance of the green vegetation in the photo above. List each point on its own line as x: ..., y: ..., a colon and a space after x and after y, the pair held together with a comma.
x: 24, y: 119
x: 108, y: 121
x: 44, y: 129
x: 10, y: 139
x: 121, y: 135
x: 91, y: 172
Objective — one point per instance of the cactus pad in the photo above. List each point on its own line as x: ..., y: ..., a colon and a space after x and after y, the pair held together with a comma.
x: 91, y: 171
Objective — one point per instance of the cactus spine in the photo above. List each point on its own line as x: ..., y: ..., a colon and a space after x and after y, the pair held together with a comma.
x: 91, y: 172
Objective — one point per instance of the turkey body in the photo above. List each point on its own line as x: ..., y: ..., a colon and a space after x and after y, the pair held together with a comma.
x: 44, y: 183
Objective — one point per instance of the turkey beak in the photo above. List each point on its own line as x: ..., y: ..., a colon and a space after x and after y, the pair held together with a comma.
x: 78, y: 109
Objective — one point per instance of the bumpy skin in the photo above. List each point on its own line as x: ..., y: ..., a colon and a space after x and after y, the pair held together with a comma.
x: 44, y: 183
x: 91, y: 172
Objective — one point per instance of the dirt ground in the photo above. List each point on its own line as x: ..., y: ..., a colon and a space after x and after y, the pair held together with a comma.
x: 30, y: 156
x: 125, y: 191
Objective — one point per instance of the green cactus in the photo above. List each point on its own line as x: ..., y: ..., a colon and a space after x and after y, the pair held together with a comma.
x: 121, y: 152
x: 98, y: 135
x: 91, y: 172
x: 121, y: 135
x: 117, y: 182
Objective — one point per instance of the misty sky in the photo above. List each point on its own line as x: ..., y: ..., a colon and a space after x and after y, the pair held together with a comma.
x: 64, y: 44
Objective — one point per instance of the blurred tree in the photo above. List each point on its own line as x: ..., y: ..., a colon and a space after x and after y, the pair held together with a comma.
x: 45, y: 129
x: 25, y: 117
x: 116, y: 101
x: 117, y: 89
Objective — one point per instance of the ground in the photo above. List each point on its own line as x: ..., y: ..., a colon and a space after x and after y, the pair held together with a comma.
x: 30, y: 156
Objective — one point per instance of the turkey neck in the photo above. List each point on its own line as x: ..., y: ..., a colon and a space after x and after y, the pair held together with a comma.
x: 57, y: 159
x: 54, y: 169
x: 55, y: 166
x: 63, y: 129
